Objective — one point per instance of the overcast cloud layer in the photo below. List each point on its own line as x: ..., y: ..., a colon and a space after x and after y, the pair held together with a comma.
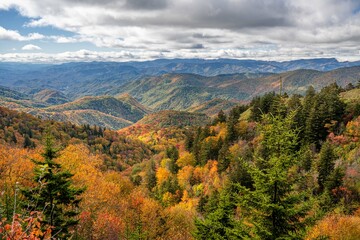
x: 148, y: 29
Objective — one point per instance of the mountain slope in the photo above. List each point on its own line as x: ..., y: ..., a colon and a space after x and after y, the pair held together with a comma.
x: 212, y: 107
x: 187, y: 91
x: 105, y: 111
x: 84, y: 117
x: 183, y: 91
x: 100, y: 78
x: 9, y: 93
x: 105, y: 104
x: 51, y: 97
x: 351, y: 96
x: 171, y: 118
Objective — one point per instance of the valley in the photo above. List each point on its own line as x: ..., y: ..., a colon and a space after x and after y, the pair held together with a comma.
x: 116, y: 95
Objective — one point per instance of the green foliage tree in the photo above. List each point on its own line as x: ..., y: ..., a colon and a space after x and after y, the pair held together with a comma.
x: 261, y: 105
x: 53, y: 194
x: 326, y: 112
x: 173, y: 154
x: 221, y: 223
x: 28, y: 143
x: 309, y: 100
x: 220, y: 118
x: 326, y: 164
x: 223, y: 157
x: 150, y: 177
x: 274, y: 208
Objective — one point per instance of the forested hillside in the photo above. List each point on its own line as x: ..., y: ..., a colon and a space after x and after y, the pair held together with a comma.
x: 282, y: 167
x: 103, y: 111
x: 117, y: 104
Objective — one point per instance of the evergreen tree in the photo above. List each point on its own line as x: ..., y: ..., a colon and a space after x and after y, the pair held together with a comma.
x: 274, y: 208
x: 327, y: 111
x: 335, y: 180
x: 205, y: 152
x: 221, y: 223
x: 220, y: 118
x: 173, y: 154
x: 223, y: 158
x: 189, y: 140
x: 196, y: 145
x: 53, y: 194
x: 306, y: 158
x: 308, y: 101
x: 294, y: 104
x: 231, y: 131
x: 28, y: 143
x: 326, y: 165
x: 256, y: 110
x: 239, y: 173
x: 151, y: 175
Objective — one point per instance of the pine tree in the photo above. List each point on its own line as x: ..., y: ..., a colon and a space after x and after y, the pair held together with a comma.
x: 53, y: 194
x: 220, y: 118
x: 231, y: 131
x: 151, y: 175
x: 173, y: 154
x: 256, y: 110
x: 274, y: 208
x: 223, y: 158
x: 28, y: 143
x: 308, y: 101
x: 326, y: 165
x: 326, y: 109
x: 221, y: 223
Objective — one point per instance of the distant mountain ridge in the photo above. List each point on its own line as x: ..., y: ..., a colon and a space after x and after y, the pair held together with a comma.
x: 97, y: 78
x: 115, y: 95
x: 187, y: 91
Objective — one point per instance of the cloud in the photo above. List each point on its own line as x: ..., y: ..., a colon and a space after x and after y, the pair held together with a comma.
x: 201, y: 28
x: 30, y: 47
x: 146, y: 4
x: 6, y: 34
x: 277, y: 54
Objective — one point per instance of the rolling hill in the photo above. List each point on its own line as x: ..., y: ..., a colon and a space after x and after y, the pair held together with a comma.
x: 51, y: 97
x: 130, y: 100
x: 184, y: 91
x: 83, y: 117
x: 80, y: 79
x: 107, y: 105
x: 9, y: 93
x: 112, y: 113
x: 171, y: 118
x: 187, y: 91
x: 351, y: 96
x: 212, y: 107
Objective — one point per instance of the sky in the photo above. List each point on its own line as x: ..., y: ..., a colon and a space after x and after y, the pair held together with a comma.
x: 123, y: 30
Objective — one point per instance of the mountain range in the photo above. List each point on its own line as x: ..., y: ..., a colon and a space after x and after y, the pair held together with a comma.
x: 97, y: 78
x: 187, y: 91
x: 116, y: 95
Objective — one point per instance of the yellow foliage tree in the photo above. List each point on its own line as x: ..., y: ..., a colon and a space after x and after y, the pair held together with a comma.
x: 186, y: 159
x: 162, y: 174
x: 336, y: 227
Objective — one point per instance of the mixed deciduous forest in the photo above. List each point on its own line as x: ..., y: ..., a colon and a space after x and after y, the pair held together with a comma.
x: 282, y: 167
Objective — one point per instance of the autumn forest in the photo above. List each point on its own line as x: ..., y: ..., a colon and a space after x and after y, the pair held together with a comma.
x: 281, y: 167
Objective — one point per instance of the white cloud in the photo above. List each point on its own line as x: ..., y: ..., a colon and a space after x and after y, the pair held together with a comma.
x: 223, y: 28
x: 276, y: 54
x: 30, y: 47
x: 6, y: 34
